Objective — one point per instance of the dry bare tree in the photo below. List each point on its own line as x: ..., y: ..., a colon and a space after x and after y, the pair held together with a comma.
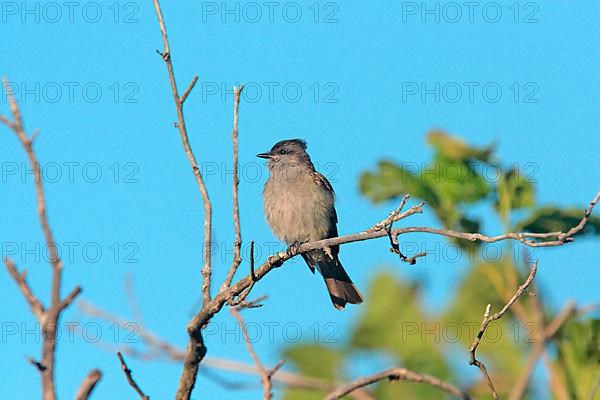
x: 48, y: 315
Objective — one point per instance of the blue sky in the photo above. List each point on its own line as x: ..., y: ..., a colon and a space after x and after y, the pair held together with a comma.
x: 359, y: 82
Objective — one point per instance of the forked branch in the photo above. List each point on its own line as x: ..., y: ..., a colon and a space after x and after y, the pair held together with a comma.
x: 48, y: 317
x: 487, y: 319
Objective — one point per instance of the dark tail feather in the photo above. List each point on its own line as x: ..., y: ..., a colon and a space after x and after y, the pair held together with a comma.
x: 340, y: 286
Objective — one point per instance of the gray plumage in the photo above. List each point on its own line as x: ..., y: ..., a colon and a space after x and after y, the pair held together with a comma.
x: 299, y: 206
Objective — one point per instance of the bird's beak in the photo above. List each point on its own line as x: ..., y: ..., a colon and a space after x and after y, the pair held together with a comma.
x: 264, y: 155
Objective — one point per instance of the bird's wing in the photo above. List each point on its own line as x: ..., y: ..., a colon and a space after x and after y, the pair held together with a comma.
x: 322, y: 181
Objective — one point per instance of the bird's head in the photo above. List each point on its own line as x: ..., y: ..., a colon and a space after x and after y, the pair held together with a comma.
x: 288, y: 153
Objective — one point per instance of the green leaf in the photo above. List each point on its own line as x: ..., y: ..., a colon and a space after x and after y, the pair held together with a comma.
x: 392, y: 181
x: 553, y: 219
x: 456, y: 149
x: 578, y: 343
x: 514, y: 191
x: 455, y: 181
x: 468, y: 225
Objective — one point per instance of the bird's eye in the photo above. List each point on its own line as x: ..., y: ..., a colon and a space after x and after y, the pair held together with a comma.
x: 283, y: 151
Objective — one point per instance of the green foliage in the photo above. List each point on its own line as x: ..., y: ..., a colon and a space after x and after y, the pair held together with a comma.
x: 579, y: 356
x: 450, y: 182
x: 456, y: 149
x: 393, y: 322
x: 394, y: 181
x: 452, y: 179
x: 513, y: 192
x: 553, y: 219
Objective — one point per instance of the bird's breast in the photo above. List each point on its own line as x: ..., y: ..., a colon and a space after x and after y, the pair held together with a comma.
x: 298, y: 210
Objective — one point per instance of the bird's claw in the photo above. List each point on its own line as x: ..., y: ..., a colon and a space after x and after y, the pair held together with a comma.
x: 294, y: 249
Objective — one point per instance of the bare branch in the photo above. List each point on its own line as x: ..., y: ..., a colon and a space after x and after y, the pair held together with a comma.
x: 48, y: 318
x: 241, y: 298
x: 206, y: 270
x: 130, y: 379
x: 487, y: 319
x: 396, y: 374
x: 279, y: 258
x: 37, y: 364
x: 568, y: 311
x: 70, y: 298
x: 560, y: 238
x: 393, y: 217
x: 265, y: 375
x: 34, y: 303
x: 520, y: 385
x: 158, y: 348
x: 88, y: 385
x: 134, y: 304
x: 189, y: 89
x: 196, y: 348
x: 252, y: 261
x: 237, y: 244
x: 7, y: 122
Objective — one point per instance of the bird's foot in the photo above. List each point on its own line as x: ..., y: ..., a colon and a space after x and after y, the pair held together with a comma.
x: 294, y: 248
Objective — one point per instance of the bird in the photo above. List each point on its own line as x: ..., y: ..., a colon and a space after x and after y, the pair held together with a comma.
x: 299, y: 208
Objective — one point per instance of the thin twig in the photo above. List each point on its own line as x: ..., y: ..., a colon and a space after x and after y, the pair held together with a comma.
x: 277, y: 259
x: 132, y: 299
x: 241, y: 298
x: 252, y: 261
x: 395, y: 248
x: 189, y: 89
x: 70, y: 298
x: 37, y: 364
x: 487, y: 319
x: 130, y: 379
x: 48, y: 317
x: 568, y: 311
x: 88, y: 385
x: 393, y: 217
x: 265, y: 375
x: 396, y: 374
x: 159, y: 349
x: 237, y: 243
x: 520, y: 385
x: 206, y: 270
x: 21, y: 278
x: 196, y: 347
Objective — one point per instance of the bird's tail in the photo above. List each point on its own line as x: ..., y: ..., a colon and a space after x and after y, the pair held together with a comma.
x: 340, y: 286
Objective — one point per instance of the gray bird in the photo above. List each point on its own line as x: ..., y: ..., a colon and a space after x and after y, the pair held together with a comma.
x: 299, y: 206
